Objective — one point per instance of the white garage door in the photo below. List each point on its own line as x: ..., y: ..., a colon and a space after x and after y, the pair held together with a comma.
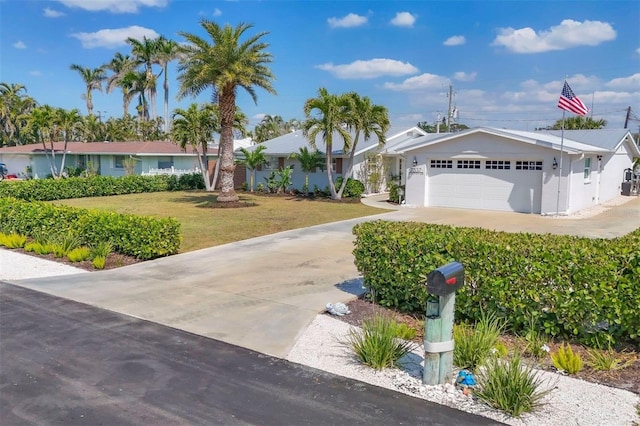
x: 504, y: 185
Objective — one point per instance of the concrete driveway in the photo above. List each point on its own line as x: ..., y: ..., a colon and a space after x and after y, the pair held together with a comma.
x: 262, y: 293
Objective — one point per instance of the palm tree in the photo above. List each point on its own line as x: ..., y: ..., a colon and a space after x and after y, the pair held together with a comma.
x: 365, y: 119
x: 167, y: 52
x: 331, y: 117
x: 93, y: 79
x: 578, y: 122
x: 195, y: 127
x: 253, y: 159
x: 67, y: 124
x: 122, y: 67
x: 145, y: 53
x: 225, y: 65
x: 40, y: 125
x: 309, y: 162
x: 15, y: 106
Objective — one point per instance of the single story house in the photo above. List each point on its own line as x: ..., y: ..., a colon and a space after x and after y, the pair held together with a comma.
x: 543, y: 172
x: 279, y: 150
x: 106, y: 157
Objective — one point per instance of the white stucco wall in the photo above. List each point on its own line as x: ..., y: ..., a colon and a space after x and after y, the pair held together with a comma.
x: 16, y: 164
x: 614, y: 166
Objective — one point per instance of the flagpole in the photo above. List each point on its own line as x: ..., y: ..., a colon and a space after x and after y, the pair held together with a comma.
x: 560, y: 175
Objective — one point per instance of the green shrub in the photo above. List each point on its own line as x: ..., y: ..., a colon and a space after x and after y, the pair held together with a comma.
x: 99, y: 262
x: 79, y: 254
x: 97, y: 186
x: 474, y: 345
x: 40, y: 248
x: 535, y: 342
x: 12, y: 241
x: 65, y: 243
x: 394, y: 193
x: 566, y: 360
x: 353, y: 189
x: 377, y: 344
x: 609, y: 360
x: 511, y: 386
x: 101, y: 249
x: 576, y: 288
x: 138, y: 236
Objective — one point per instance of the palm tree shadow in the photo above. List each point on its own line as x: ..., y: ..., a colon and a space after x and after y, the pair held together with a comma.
x: 210, y: 201
x: 353, y: 286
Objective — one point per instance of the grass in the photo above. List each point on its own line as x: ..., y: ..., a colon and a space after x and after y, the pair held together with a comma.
x: 203, y: 226
x: 474, y: 345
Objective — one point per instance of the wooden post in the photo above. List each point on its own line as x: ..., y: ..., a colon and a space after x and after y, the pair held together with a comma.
x: 431, y: 372
x: 447, y: 309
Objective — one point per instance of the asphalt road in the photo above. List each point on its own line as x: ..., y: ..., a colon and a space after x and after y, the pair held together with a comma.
x: 63, y: 362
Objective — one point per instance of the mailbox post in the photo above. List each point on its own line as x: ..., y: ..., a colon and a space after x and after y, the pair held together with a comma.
x: 442, y: 284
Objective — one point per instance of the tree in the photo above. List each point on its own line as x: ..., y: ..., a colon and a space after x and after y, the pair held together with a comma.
x: 40, y: 125
x: 224, y: 65
x: 330, y: 117
x: 195, y: 127
x: 253, y: 159
x: 122, y: 67
x: 15, y: 107
x: 67, y: 124
x: 145, y: 52
x: 167, y: 51
x: 93, y: 79
x: 366, y: 119
x: 579, y: 122
x: 309, y: 161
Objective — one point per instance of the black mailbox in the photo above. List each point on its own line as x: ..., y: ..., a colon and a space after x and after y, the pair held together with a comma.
x: 446, y: 279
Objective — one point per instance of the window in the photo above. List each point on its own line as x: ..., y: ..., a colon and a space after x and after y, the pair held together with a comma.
x: 468, y: 164
x: 497, y: 165
x: 441, y: 164
x: 165, y: 163
x: 587, y: 169
x: 528, y: 165
x: 118, y: 161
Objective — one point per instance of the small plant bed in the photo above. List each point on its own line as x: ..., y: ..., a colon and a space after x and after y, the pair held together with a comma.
x: 112, y: 261
x: 625, y: 374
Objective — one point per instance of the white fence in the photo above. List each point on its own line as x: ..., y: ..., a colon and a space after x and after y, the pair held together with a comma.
x: 171, y: 171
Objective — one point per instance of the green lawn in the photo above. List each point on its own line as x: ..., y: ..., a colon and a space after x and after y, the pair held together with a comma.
x: 203, y: 226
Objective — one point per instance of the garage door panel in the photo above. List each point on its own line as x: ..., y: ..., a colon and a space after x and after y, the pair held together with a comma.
x: 485, y: 189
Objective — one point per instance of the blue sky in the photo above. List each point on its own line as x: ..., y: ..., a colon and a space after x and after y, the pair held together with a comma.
x: 506, y: 60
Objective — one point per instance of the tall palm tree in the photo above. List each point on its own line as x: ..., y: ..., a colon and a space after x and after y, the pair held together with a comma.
x: 121, y: 66
x: 330, y: 117
x: 93, y: 78
x: 366, y: 119
x: 145, y: 52
x: 15, y: 106
x: 253, y: 159
x: 195, y: 127
x: 40, y: 125
x: 168, y: 50
x: 67, y: 124
x: 224, y: 65
x: 309, y: 161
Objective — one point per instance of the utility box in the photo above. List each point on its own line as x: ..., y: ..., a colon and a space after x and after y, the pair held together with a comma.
x: 446, y: 279
x: 626, y: 188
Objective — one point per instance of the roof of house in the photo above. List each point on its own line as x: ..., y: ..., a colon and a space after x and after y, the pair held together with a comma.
x: 573, y: 142
x: 139, y: 148
x: 292, y: 142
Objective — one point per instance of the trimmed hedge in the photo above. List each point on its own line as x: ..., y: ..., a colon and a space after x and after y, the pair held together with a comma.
x: 96, y: 186
x: 353, y: 189
x: 574, y: 288
x: 139, y: 236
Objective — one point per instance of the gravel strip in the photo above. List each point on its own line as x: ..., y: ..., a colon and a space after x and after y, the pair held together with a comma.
x: 18, y: 266
x: 572, y: 402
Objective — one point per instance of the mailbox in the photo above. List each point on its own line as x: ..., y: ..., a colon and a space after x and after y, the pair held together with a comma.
x: 446, y: 279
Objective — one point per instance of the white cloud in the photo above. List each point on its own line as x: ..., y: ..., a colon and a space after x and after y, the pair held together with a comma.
x: 423, y: 81
x: 568, y: 34
x: 403, y: 19
x: 369, y: 69
x: 259, y: 117
x: 638, y: 50
x: 113, y: 38
x: 217, y: 12
x: 463, y: 76
x: 35, y: 73
x: 19, y: 45
x: 115, y: 6
x: 631, y: 83
x: 351, y: 20
x: 50, y: 13
x: 456, y: 40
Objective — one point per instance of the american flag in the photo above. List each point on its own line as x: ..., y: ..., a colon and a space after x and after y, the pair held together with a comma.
x: 570, y: 102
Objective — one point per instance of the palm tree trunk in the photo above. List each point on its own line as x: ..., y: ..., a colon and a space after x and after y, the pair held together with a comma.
x: 347, y: 173
x: 227, y: 105
x: 166, y: 101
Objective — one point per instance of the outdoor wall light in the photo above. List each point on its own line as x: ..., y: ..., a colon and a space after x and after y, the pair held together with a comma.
x: 554, y: 165
x: 415, y: 161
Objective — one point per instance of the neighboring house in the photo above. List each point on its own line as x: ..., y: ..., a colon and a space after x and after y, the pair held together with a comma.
x: 519, y: 171
x: 279, y: 150
x: 107, y: 157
